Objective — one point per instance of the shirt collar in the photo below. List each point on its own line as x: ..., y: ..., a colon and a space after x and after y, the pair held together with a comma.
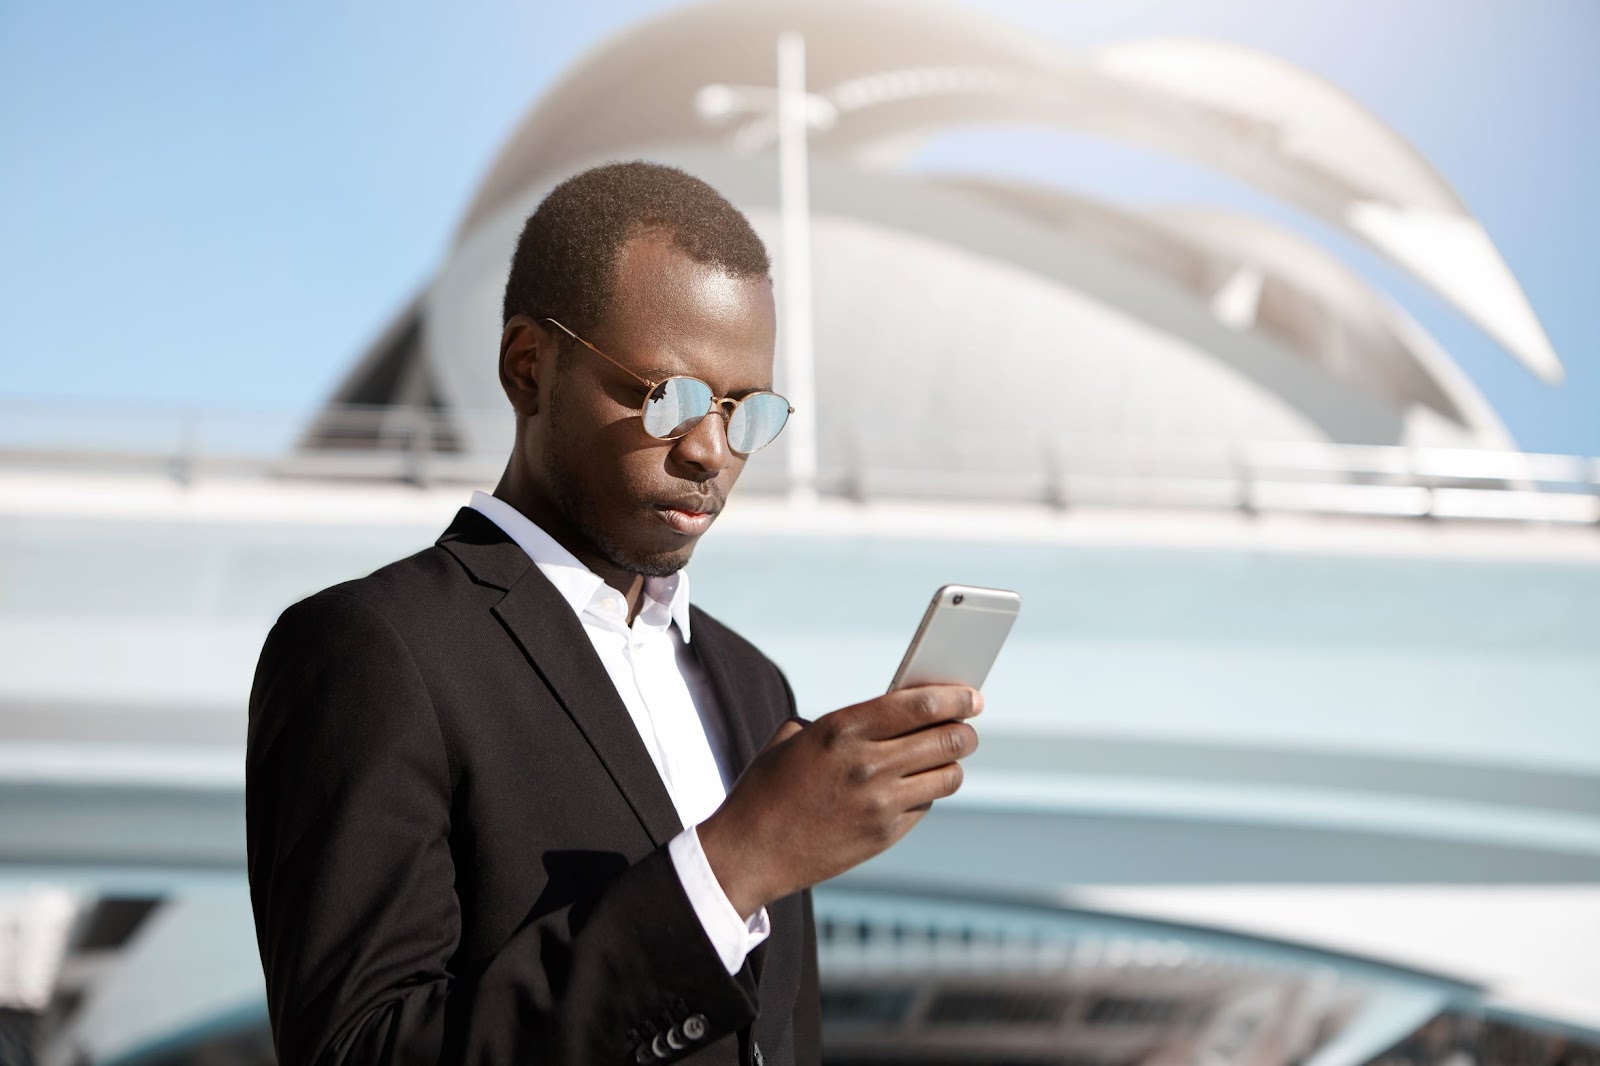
x: 576, y: 583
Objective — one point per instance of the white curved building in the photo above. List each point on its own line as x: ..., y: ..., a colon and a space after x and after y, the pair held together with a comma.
x: 1124, y: 326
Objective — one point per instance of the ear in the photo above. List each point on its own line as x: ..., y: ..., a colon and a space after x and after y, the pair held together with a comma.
x: 527, y: 356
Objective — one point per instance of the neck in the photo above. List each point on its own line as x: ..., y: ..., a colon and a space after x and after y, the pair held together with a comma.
x: 530, y: 498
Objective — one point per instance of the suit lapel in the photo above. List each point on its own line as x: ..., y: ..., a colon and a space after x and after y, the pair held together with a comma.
x: 736, y: 696
x: 550, y: 635
x: 733, y: 689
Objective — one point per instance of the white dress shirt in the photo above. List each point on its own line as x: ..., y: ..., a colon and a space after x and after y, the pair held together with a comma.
x: 670, y: 700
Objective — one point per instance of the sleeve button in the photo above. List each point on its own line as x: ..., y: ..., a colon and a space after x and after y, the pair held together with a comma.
x: 658, y: 1046
x: 694, y: 1027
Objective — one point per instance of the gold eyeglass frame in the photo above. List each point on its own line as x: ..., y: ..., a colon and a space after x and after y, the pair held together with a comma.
x: 726, y: 405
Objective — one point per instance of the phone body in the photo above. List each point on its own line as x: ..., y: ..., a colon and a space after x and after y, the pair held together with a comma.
x: 961, y: 634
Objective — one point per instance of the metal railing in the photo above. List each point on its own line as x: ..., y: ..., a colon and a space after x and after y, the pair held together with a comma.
x: 420, y: 446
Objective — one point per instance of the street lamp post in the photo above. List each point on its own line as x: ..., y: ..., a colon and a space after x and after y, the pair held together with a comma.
x: 794, y: 205
x: 794, y: 112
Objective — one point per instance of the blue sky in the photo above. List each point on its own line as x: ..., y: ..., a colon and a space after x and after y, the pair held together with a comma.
x: 219, y: 205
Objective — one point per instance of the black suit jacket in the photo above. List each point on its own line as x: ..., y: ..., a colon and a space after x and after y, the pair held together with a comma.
x: 457, y: 838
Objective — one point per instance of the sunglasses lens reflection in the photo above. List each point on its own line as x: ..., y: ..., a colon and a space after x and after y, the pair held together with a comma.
x: 675, y: 406
x: 757, y: 421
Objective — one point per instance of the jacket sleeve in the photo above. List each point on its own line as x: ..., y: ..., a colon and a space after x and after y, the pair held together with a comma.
x: 348, y: 806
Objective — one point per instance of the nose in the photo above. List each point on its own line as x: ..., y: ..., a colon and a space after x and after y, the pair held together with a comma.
x: 705, y: 447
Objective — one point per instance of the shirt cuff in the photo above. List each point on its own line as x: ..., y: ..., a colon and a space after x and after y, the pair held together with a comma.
x: 731, y: 935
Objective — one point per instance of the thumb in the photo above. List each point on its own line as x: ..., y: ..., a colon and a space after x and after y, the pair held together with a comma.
x: 789, y: 728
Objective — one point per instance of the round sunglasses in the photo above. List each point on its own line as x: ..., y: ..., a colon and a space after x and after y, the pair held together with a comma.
x: 675, y: 406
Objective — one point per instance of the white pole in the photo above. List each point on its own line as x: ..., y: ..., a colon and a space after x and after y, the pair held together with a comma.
x: 794, y: 200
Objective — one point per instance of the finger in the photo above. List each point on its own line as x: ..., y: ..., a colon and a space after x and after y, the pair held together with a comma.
x: 788, y: 728
x: 926, y: 749
x: 920, y: 790
x: 910, y: 709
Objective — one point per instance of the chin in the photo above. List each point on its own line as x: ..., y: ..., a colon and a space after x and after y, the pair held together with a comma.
x: 647, y: 560
x: 653, y: 564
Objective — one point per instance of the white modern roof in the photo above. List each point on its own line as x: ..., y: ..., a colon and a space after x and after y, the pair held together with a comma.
x: 1257, y: 274
x: 892, y: 73
x: 1019, y: 328
x: 1005, y: 342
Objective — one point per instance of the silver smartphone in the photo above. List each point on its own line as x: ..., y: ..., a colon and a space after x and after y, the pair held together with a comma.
x: 959, y: 638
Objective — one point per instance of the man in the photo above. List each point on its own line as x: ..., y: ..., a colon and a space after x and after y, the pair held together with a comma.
x: 512, y: 799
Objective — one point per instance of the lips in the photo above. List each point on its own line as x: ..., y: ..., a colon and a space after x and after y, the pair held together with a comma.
x: 691, y: 516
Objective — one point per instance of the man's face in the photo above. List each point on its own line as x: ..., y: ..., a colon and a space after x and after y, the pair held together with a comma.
x: 637, y: 502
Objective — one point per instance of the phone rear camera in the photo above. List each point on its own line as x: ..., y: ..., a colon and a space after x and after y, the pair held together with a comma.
x: 957, y: 598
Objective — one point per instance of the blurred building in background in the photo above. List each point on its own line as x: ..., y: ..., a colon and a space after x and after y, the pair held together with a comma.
x: 1292, y: 756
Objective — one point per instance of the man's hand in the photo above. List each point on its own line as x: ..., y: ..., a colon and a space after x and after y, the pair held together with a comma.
x: 822, y: 798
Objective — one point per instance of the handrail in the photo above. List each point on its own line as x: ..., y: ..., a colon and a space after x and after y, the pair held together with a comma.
x: 423, y: 446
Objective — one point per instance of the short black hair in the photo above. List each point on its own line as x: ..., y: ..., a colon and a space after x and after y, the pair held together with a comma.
x: 565, y: 260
